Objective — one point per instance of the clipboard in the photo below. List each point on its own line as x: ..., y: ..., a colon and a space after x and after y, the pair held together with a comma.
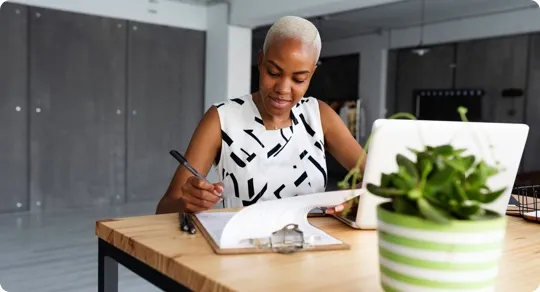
x: 288, y: 240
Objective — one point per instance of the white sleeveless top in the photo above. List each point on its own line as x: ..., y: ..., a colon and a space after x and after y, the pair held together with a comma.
x: 257, y: 164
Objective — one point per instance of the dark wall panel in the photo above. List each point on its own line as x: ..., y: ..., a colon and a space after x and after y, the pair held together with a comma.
x: 78, y: 100
x: 336, y: 78
x: 531, y: 161
x: 495, y: 64
x: 432, y: 70
x: 165, y: 101
x: 391, y: 76
x: 14, y: 193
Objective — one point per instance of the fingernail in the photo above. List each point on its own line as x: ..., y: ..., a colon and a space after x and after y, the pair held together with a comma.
x: 339, y: 208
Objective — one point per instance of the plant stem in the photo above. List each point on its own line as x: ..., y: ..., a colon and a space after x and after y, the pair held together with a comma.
x: 355, y: 172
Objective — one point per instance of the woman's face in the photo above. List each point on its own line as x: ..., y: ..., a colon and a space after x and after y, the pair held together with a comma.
x: 285, y: 72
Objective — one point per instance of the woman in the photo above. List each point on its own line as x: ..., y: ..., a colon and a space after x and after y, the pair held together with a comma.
x: 270, y: 144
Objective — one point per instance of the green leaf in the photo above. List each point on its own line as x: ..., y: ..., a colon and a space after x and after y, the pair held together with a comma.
x: 386, y: 179
x: 467, y: 209
x: 441, y: 178
x: 459, y: 151
x: 409, y: 180
x: 459, y: 193
x: 474, y: 181
x: 384, y: 192
x: 453, y: 204
x: 469, y: 161
x: 435, y: 200
x: 404, y: 206
x: 429, y: 190
x: 414, y: 194
x: 458, y: 165
x: 491, y: 171
x: 444, y: 150
x: 439, y: 161
x: 425, y: 166
x: 414, y: 150
x: 432, y: 213
x: 474, y: 194
x: 408, y: 165
x: 491, y: 196
x: 399, y: 182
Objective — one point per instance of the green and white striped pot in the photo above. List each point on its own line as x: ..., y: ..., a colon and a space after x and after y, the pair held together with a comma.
x: 419, y: 255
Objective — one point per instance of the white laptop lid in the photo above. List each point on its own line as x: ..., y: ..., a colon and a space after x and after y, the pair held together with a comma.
x: 390, y: 137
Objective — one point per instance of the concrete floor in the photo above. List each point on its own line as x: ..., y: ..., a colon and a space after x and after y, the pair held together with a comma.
x: 58, y: 252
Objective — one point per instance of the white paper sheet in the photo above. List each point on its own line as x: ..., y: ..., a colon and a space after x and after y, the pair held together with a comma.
x: 262, y: 219
x: 215, y: 222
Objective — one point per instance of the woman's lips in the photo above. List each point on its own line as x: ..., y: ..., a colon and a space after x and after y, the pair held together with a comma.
x: 279, y: 103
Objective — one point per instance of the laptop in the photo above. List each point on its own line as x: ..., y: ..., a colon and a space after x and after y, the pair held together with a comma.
x: 391, y: 137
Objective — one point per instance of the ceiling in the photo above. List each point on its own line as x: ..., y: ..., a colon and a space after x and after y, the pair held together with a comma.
x: 401, y: 15
x: 201, y: 2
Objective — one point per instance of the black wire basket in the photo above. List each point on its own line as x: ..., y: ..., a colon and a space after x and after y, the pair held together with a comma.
x: 525, y: 203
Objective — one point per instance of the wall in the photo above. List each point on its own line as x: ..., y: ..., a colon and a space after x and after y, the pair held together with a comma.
x: 228, y: 56
x: 494, y: 25
x: 239, y: 61
x: 253, y: 13
x: 491, y: 64
x: 492, y: 51
x: 170, y: 13
x: 93, y: 104
x: 244, y: 13
x: 216, y: 56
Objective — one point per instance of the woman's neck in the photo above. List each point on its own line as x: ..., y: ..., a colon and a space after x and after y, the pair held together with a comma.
x: 266, y: 117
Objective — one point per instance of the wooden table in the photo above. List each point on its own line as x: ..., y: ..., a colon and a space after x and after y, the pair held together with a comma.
x: 155, y: 249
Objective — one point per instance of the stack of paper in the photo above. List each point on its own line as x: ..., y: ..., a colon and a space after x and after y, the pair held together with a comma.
x: 232, y: 229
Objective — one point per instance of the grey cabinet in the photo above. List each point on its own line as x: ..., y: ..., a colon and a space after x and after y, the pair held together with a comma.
x: 77, y: 120
x: 90, y: 107
x: 165, y: 103
x: 14, y: 109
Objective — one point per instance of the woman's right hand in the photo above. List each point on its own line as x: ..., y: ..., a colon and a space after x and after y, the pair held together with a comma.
x: 199, y: 195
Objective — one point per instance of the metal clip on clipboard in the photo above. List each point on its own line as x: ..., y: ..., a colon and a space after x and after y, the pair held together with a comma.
x: 287, y: 240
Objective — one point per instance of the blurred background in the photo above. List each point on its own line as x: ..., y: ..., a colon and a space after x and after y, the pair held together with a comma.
x: 94, y: 93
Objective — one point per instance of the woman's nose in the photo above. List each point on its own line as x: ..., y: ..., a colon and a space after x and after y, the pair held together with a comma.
x: 283, y: 87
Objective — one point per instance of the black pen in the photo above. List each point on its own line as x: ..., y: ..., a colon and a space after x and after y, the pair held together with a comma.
x: 185, y: 163
x: 183, y: 223
x: 180, y: 158
x: 190, y: 226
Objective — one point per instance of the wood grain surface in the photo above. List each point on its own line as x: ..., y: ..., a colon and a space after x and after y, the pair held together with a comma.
x: 157, y: 241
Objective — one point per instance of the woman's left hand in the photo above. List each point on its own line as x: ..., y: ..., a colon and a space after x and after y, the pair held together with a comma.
x: 335, y: 210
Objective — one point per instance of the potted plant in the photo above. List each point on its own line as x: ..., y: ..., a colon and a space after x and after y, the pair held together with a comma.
x: 433, y: 232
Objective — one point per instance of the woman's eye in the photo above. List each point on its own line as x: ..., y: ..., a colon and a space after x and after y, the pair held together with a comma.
x: 299, y: 81
x: 272, y: 73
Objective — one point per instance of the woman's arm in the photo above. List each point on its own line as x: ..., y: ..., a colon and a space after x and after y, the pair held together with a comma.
x: 338, y: 139
x: 203, y: 148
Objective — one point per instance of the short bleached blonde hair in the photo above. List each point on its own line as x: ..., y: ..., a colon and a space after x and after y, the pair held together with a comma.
x: 297, y: 28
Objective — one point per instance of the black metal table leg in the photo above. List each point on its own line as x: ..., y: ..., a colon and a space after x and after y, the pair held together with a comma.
x: 107, y: 269
x: 109, y: 257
